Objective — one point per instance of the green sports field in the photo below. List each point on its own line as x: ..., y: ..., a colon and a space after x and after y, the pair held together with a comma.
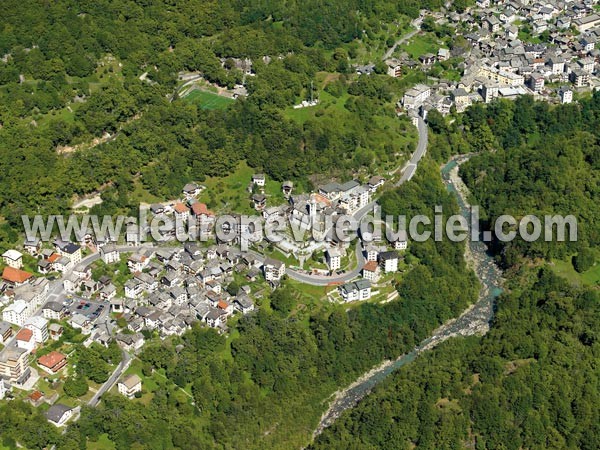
x: 208, y: 100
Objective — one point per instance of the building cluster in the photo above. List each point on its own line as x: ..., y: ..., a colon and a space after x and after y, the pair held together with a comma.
x: 500, y: 60
x: 170, y: 289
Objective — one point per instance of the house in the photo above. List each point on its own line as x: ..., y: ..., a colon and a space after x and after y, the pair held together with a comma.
x: 388, y: 261
x: 109, y: 254
x: 260, y: 201
x: 39, y: 326
x: 375, y: 182
x: 273, y: 270
x: 493, y: 24
x: 62, y: 264
x: 157, y: 209
x: 394, y: 67
x: 70, y: 250
x: 55, y: 331
x: 32, y: 246
x: 191, y: 190
x: 586, y: 23
x: 108, y: 292
x: 225, y: 306
x: 133, y: 289
x: 443, y: 54
x: 287, y: 187
x: 373, y: 250
x: 5, y: 332
x: 58, y: 414
x: 44, y: 266
x: 587, y: 65
x: 243, y: 303
x: 82, y: 323
x: 416, y: 96
x: 536, y: 82
x: 25, y: 340
x: 400, y: 241
x: 130, y: 342
x: 130, y: 385
x: 36, y: 398
x: 371, y: 271
x: 556, y: 64
x: 333, y: 258
x: 181, y: 211
x: 52, y: 362
x: 259, y: 179
x: 355, y: 290
x: 137, y: 262
x: 17, y: 313
x: 565, y: 94
x: 14, y: 365
x: 427, y: 59
x: 201, y: 212
x: 15, y: 277
x: 215, y: 318
x: 579, y: 78
x: 461, y: 99
x: 13, y: 258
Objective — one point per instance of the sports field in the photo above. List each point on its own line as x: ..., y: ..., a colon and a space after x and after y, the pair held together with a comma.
x: 208, y: 100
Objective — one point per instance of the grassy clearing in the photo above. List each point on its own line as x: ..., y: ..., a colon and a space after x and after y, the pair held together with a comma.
x: 564, y: 268
x: 230, y: 194
x: 208, y: 100
x: 420, y: 44
x: 103, y: 443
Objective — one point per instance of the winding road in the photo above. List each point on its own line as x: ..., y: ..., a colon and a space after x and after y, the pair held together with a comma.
x: 408, y: 171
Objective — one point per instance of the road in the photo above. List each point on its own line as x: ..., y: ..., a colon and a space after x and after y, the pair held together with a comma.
x: 411, y: 166
x: 122, y: 367
x: 407, y: 173
x: 417, y: 25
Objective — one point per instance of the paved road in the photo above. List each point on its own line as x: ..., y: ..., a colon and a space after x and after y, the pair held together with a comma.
x: 112, y: 380
x: 417, y: 25
x: 408, y: 172
x: 411, y: 166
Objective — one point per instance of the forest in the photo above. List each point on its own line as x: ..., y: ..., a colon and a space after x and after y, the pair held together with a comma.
x: 532, y: 381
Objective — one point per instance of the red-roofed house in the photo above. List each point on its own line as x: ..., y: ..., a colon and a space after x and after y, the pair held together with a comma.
x: 25, y: 339
x: 182, y: 212
x: 200, y: 209
x: 371, y: 271
x: 222, y: 304
x: 52, y: 362
x: 16, y: 277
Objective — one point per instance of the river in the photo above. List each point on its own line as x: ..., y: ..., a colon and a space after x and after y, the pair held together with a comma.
x: 474, y: 320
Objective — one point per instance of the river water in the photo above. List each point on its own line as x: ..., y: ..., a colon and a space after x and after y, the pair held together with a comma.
x: 475, y: 320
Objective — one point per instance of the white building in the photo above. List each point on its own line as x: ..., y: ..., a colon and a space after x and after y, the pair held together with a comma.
x: 356, y: 290
x: 416, y: 96
x: 333, y: 258
x: 259, y: 179
x: 109, y: 254
x: 388, y: 261
x: 16, y: 313
x: 400, y: 241
x: 13, y: 258
x: 130, y: 385
x: 58, y: 414
x: 566, y: 95
x: 39, y: 326
x: 273, y: 269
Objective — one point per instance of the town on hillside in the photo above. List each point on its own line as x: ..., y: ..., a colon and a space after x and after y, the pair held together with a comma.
x: 94, y: 292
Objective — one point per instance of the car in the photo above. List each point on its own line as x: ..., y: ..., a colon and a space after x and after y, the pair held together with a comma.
x: 79, y: 306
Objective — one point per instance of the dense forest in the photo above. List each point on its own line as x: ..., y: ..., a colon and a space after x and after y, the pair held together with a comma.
x: 532, y: 381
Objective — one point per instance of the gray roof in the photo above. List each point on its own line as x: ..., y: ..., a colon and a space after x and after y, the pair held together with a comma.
x: 54, y: 306
x: 57, y: 411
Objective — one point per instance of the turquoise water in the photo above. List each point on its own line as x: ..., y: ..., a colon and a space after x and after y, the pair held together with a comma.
x: 481, y: 313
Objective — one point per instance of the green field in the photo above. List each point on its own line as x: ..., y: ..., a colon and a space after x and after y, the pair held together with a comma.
x: 565, y: 269
x: 208, y: 100
x: 420, y: 44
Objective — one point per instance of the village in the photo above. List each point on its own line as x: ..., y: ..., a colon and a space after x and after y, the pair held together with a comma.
x: 512, y: 48
x: 125, y: 291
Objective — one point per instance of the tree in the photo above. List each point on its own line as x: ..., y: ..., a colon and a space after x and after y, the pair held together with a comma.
x: 584, y: 260
x: 75, y: 386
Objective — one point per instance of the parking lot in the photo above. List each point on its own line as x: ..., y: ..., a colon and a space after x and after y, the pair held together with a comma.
x: 95, y: 311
